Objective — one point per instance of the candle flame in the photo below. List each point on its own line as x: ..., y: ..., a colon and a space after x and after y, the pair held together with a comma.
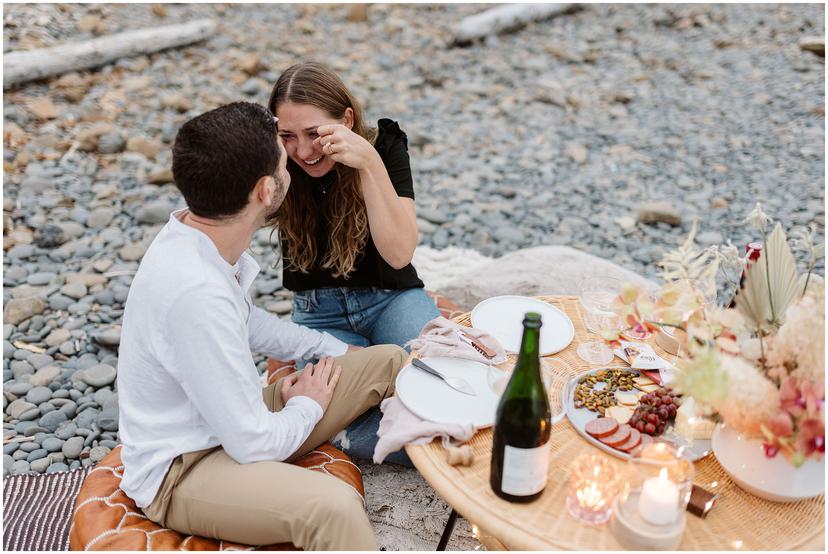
x: 591, y: 497
x: 662, y: 475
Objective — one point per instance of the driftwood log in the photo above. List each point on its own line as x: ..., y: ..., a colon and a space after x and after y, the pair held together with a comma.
x: 507, y: 18
x: 20, y: 67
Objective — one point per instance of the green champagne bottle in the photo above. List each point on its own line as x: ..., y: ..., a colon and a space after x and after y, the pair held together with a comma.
x: 520, y: 449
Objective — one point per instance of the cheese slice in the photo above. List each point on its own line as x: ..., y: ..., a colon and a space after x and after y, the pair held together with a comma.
x: 626, y: 398
x: 621, y: 414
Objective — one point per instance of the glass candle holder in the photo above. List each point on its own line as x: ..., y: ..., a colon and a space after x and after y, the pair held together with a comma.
x: 660, y: 484
x: 594, y: 483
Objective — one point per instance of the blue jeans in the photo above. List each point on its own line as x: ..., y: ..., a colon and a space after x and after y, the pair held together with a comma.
x: 364, y: 317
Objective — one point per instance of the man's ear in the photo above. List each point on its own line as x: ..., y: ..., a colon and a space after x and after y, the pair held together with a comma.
x: 349, y: 118
x: 263, y: 190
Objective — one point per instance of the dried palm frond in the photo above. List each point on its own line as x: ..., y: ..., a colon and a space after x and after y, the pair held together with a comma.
x: 770, y: 285
x: 691, y: 263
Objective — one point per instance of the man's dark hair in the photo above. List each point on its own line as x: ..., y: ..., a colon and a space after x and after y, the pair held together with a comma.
x: 219, y: 156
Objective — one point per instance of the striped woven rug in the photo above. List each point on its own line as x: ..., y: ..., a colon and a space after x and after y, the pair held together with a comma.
x: 37, y: 509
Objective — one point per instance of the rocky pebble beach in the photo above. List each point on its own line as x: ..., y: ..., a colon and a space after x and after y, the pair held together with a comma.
x: 608, y: 130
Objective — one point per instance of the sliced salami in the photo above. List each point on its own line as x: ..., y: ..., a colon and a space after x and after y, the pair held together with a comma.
x: 601, y: 427
x: 646, y: 440
x: 632, y: 442
x: 619, y: 437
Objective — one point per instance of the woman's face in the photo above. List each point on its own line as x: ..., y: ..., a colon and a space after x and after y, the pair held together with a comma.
x: 297, y: 128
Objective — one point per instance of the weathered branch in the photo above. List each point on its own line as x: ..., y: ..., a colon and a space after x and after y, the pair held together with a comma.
x: 20, y: 67
x: 507, y: 18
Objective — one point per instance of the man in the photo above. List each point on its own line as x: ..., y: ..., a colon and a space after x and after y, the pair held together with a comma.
x: 204, y: 452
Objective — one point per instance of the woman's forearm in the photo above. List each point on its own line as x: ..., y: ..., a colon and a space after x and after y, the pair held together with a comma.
x: 391, y: 219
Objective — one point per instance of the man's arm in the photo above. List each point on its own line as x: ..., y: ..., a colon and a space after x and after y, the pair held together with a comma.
x: 210, y: 357
x: 287, y: 340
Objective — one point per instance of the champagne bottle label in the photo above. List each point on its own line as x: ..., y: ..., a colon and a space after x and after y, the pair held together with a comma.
x: 525, y: 469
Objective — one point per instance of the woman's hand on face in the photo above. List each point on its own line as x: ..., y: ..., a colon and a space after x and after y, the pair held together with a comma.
x: 344, y: 146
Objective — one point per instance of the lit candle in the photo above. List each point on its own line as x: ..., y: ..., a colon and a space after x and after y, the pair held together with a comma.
x: 658, y: 502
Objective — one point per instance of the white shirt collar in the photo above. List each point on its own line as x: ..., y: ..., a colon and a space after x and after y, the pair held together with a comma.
x: 247, y: 267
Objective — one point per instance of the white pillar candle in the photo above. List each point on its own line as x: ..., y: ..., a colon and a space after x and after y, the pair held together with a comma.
x: 659, y: 498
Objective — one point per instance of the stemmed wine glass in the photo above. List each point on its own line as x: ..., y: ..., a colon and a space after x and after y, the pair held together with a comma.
x: 597, y: 296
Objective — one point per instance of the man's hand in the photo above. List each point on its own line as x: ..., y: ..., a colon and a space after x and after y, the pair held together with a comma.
x: 316, y: 382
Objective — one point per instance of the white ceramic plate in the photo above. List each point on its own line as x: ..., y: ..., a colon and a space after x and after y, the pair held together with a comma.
x: 433, y: 400
x: 502, y: 317
x: 579, y: 417
x: 770, y: 478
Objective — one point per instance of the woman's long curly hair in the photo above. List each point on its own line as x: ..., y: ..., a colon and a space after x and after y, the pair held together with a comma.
x: 315, y: 84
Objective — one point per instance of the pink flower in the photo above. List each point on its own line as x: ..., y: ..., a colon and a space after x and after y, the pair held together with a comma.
x: 771, y: 450
x: 814, y: 396
x: 790, y: 397
x: 811, y: 437
x: 781, y: 425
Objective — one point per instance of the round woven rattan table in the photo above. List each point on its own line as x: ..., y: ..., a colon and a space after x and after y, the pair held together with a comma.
x: 738, y: 521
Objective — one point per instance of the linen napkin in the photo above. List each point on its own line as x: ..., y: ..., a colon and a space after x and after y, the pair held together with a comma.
x: 399, y: 426
x: 441, y: 337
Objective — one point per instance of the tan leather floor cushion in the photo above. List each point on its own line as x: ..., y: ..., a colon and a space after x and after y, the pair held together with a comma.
x: 105, y: 518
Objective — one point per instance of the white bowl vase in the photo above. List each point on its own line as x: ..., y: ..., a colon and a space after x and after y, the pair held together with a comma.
x: 776, y: 479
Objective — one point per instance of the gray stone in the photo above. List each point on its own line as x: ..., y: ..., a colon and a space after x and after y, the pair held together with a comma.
x: 66, y: 430
x: 46, y: 407
x: 70, y: 409
x: 10, y: 447
x: 39, y: 395
x: 20, y: 466
x: 40, y: 464
x: 154, y: 212
x: 86, y: 418
x: 111, y: 143
x: 29, y: 447
x: 59, y: 302
x: 52, y: 444
x: 108, y: 419
x: 68, y: 348
x: 8, y: 462
x: 19, y: 388
x: 543, y: 270
x: 102, y: 395
x: 108, y: 337
x: 40, y: 279
x: 74, y: 290
x: 52, y: 420
x: 30, y: 415
x: 100, y: 218
x: 45, y: 375
x: 56, y: 467
x: 72, y: 447
x: 36, y: 455
x: 98, y: 453
x: 40, y: 360
x: 74, y: 465
x: 20, y: 368
x: 99, y: 375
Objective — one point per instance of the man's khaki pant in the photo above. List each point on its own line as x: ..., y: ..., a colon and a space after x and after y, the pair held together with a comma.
x: 208, y: 494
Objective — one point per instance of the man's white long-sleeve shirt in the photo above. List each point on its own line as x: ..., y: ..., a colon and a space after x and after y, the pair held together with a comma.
x: 186, y: 376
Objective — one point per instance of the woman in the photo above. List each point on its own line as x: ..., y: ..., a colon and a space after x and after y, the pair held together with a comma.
x: 347, y: 227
